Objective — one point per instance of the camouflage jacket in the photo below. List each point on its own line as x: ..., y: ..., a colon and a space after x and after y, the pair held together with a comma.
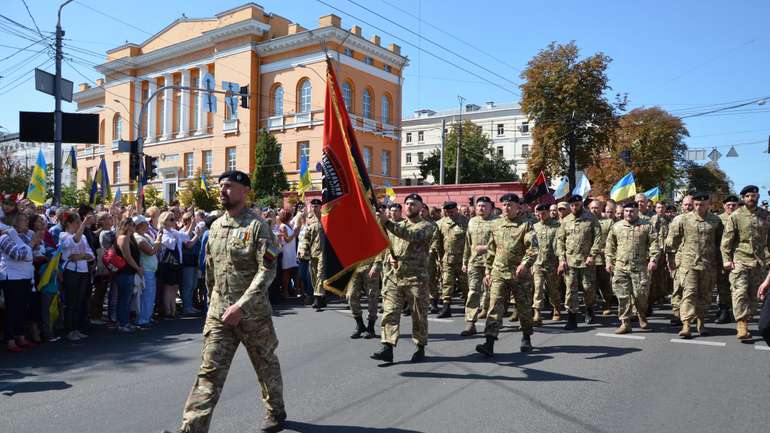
x: 451, y: 236
x: 310, y: 242
x: 411, y: 244
x: 511, y: 243
x: 660, y: 224
x: 304, y: 239
x: 546, y: 243
x: 605, y: 224
x: 479, y: 230
x: 578, y: 238
x: 746, y: 237
x: 698, y: 238
x: 630, y: 245
x: 241, y: 255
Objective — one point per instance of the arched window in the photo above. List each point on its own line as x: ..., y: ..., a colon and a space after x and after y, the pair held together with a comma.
x: 366, y: 107
x: 385, y: 109
x: 305, y: 89
x: 117, y: 127
x: 347, y: 96
x: 278, y: 101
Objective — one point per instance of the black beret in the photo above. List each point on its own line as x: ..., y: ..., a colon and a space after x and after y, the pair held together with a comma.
x: 671, y: 207
x: 316, y: 202
x: 542, y: 206
x: 701, y: 196
x: 731, y: 199
x: 483, y: 199
x: 413, y: 196
x: 236, y: 176
x: 395, y: 205
x: 510, y: 197
x: 575, y: 198
x: 749, y: 188
x: 450, y: 204
x: 630, y: 205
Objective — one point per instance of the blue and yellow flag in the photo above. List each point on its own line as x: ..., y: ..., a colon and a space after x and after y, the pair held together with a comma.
x: 625, y: 188
x: 72, y: 159
x: 389, y: 191
x: 101, y: 183
x: 204, y: 185
x: 653, y: 194
x: 36, y: 191
x: 50, y: 267
x: 304, y: 176
x: 118, y: 196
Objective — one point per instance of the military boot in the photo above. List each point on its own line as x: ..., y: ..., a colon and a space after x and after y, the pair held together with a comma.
x: 419, y: 355
x: 317, y: 304
x: 685, y: 332
x: 369, y: 332
x: 701, y: 326
x: 571, y: 322
x: 743, y: 330
x: 556, y: 316
x: 445, y: 310
x: 589, y: 316
x: 643, y: 321
x: 273, y: 422
x: 724, y: 314
x: 360, y: 328
x: 624, y: 328
x: 323, y: 301
x: 470, y: 329
x: 488, y: 348
x: 526, y: 344
x: 536, y: 319
x: 433, y: 306
x: 514, y: 314
x: 384, y: 354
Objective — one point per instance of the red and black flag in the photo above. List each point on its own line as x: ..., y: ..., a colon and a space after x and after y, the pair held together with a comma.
x: 351, y: 232
x: 537, y: 190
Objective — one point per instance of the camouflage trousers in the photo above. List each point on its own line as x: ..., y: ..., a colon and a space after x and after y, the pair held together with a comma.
x: 220, y: 341
x: 660, y: 282
x: 395, y: 293
x: 315, y: 277
x: 744, y: 281
x: 604, y: 285
x: 361, y: 284
x: 676, y: 293
x: 546, y: 282
x: 433, y: 277
x: 697, y: 289
x: 631, y: 287
x: 454, y: 281
x: 725, y: 296
x: 574, y: 278
x: 499, y: 293
x: 478, y: 298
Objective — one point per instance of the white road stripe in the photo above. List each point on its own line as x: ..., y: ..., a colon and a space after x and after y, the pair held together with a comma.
x: 702, y: 343
x: 431, y: 319
x: 760, y: 346
x: 630, y: 337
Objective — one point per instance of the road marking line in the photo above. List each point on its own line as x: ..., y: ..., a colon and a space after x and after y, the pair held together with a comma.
x: 431, y: 319
x: 702, y: 343
x: 759, y: 346
x: 630, y: 337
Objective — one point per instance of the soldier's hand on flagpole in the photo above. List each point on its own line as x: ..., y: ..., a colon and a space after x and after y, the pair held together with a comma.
x: 652, y: 265
x: 233, y: 315
x: 372, y: 273
x: 609, y: 268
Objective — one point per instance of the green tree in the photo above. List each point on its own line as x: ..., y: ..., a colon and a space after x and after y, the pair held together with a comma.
x: 268, y: 179
x: 14, y: 177
x: 478, y: 160
x: 152, y: 197
x: 195, y: 196
x: 565, y: 98
x: 708, y: 178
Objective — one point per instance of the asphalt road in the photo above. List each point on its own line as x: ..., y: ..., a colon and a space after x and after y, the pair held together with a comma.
x: 585, y: 381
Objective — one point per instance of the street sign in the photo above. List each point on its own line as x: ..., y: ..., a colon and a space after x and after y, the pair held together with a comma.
x: 231, y: 97
x: 210, y: 103
x: 715, y: 155
x: 695, y: 154
x: 44, y: 82
x: 732, y: 153
x: 76, y: 127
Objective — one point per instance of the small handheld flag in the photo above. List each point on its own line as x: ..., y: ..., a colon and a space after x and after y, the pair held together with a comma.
x: 625, y: 188
x: 204, y: 185
x: 653, y: 194
x: 49, y: 270
x: 304, y: 176
x: 36, y: 191
x: 389, y: 191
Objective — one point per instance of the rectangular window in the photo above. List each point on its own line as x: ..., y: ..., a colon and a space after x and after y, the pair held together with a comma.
x: 420, y: 156
x: 420, y: 136
x: 408, y: 137
x: 303, y: 151
x: 500, y: 129
x: 368, y: 157
x: 525, y: 150
x: 230, y: 158
x: 116, y: 172
x: 408, y: 182
x: 188, y: 164
x: 385, y: 162
x: 368, y: 60
x: 348, y: 52
x: 408, y: 158
x: 207, y: 158
x: 525, y: 127
x: 90, y: 173
x: 500, y: 151
x: 386, y: 68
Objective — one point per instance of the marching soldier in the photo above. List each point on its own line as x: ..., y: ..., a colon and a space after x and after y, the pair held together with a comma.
x: 660, y: 283
x: 603, y: 282
x: 725, y: 300
x: 697, y: 235
x: 644, y: 206
x: 433, y: 266
x: 743, y: 250
x: 451, y: 244
x: 240, y: 265
x: 544, y: 269
x: 474, y: 255
x: 364, y: 281
x: 578, y: 244
x: 311, y: 241
x: 406, y: 279
x: 673, y: 260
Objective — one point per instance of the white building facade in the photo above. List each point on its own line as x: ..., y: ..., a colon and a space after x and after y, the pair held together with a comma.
x: 25, y: 154
x: 506, y: 126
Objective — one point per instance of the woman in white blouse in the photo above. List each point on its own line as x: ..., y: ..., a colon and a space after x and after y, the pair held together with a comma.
x: 76, y: 254
x: 170, y: 264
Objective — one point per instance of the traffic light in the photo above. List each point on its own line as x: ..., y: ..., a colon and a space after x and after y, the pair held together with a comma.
x: 133, y: 161
x: 244, y: 96
x: 151, y: 166
x: 625, y: 155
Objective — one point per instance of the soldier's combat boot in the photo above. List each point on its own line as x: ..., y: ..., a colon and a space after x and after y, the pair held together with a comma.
x: 571, y: 322
x: 536, y: 319
x: 323, y: 301
x: 724, y: 314
x: 624, y: 328
x: 470, y: 329
x: 589, y: 316
x: 317, y: 305
x: 526, y: 344
x: 556, y: 316
x: 701, y: 326
x: 445, y: 310
x: 488, y: 348
x: 369, y: 332
x: 743, y: 330
x: 643, y: 321
x: 685, y: 332
x: 273, y: 422
x: 433, y: 306
x: 360, y: 328
x: 419, y: 355
x: 514, y: 314
x: 384, y: 354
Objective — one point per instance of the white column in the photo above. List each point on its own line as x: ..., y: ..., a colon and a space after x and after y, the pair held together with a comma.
x: 152, y: 110
x: 202, y: 120
x: 168, y: 107
x: 135, y: 123
x: 184, y: 123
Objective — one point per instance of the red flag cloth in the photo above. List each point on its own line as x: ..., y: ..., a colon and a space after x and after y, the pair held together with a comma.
x: 351, y: 231
x: 538, y: 189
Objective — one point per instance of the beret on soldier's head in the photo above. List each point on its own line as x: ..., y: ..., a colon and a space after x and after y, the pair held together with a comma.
x: 671, y: 208
x: 749, y: 188
x: 731, y: 199
x: 483, y: 199
x: 395, y: 206
x: 575, y: 198
x: 542, y: 206
x: 630, y: 205
x: 316, y: 202
x: 510, y: 197
x: 449, y: 204
x: 701, y: 196
x: 413, y: 196
x: 237, y: 177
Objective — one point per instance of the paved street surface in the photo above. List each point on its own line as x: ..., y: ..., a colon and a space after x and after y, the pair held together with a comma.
x: 588, y: 381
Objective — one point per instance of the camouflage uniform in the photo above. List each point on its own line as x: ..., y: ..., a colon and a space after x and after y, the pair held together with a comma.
x: 698, y: 239
x: 240, y: 265
x: 745, y: 242
x: 313, y: 251
x: 408, y: 280
x: 511, y: 243
x: 630, y: 247
x: 434, y: 268
x: 544, y: 269
x: 660, y: 280
x: 603, y: 278
x: 451, y: 244
x: 675, y: 255
x: 723, y: 277
x: 360, y: 284
x: 577, y: 239
x: 479, y: 231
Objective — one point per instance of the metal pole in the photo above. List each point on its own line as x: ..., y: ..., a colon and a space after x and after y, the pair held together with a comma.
x: 441, y: 156
x: 459, y: 141
x: 57, y: 117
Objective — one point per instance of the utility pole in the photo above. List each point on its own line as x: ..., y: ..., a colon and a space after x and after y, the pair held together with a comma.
x: 441, y: 159
x: 57, y: 116
x: 571, y: 149
x: 460, y: 99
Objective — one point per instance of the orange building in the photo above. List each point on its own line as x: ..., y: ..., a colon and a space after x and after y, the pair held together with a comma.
x: 284, y: 66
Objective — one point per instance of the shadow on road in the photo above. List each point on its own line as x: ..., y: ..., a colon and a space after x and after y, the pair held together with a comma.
x: 11, y: 388
x: 301, y: 427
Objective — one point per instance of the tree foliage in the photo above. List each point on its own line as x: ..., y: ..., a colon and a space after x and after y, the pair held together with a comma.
x: 153, y: 197
x: 268, y: 178
x: 708, y: 178
x: 73, y: 196
x: 195, y: 196
x: 14, y: 177
x: 478, y: 160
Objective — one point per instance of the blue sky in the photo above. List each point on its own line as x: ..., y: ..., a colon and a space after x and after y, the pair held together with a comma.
x: 685, y: 56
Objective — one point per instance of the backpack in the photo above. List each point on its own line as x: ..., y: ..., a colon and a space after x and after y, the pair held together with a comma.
x: 113, y: 262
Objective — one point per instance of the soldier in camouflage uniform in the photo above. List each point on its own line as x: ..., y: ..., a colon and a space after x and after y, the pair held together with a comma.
x: 451, y: 244
x: 674, y: 261
x: 474, y: 255
x: 578, y: 244
x: 603, y: 278
x: 644, y: 206
x: 544, y: 269
x: 433, y: 266
x: 310, y: 241
x: 632, y: 252
x: 511, y: 251
x: 364, y: 282
x: 744, y: 247
x: 697, y: 235
x: 660, y: 278
x: 406, y: 280
x: 725, y: 302
x: 240, y: 265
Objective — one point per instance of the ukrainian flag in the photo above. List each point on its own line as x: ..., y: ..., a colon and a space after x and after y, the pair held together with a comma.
x: 100, y: 183
x: 204, y: 185
x: 304, y: 176
x: 36, y: 191
x: 625, y: 188
x: 51, y: 266
x: 389, y: 191
x: 653, y: 194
